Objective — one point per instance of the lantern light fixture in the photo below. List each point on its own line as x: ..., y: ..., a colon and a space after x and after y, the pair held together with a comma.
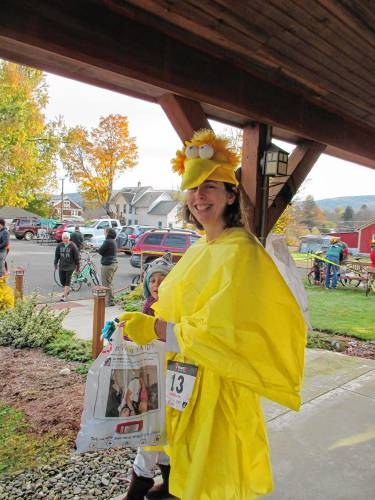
x: 275, y: 161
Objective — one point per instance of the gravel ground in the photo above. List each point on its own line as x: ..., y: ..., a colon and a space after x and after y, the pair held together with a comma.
x: 95, y: 475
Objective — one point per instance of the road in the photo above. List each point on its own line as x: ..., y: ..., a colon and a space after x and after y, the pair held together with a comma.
x: 38, y: 263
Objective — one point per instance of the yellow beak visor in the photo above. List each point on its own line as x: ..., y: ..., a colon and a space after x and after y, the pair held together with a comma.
x: 198, y: 170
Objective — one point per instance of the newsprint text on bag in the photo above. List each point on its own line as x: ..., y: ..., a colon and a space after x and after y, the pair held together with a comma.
x: 124, y: 397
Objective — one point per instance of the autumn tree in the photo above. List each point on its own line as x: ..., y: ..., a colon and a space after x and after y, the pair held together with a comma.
x: 363, y: 215
x: 28, y: 144
x: 347, y: 217
x: 95, y: 159
x: 284, y: 221
x: 308, y: 212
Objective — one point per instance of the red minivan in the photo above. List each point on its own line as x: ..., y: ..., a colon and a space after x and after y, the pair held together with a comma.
x: 158, y: 241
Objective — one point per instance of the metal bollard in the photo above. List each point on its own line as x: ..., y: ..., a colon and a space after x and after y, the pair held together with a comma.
x: 20, y: 272
x: 99, y: 293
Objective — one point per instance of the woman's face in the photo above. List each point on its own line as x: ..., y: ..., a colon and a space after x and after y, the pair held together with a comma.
x: 65, y: 240
x: 208, y: 201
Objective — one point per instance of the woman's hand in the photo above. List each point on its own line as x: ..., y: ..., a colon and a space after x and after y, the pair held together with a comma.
x: 139, y: 327
x: 161, y: 329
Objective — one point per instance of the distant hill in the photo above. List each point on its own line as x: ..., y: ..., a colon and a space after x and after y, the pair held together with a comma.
x: 353, y: 201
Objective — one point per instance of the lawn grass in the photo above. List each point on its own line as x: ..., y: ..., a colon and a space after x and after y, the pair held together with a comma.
x: 343, y: 311
x: 22, y: 449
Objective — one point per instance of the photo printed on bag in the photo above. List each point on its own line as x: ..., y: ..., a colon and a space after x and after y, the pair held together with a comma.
x: 132, y: 392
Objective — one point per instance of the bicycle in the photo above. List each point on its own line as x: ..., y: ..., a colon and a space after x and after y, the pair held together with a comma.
x: 342, y: 279
x: 44, y: 237
x: 88, y: 274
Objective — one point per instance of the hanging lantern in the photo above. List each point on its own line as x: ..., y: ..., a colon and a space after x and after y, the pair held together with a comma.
x: 276, y: 161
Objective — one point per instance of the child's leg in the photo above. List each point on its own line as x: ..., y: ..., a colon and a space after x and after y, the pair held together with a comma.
x: 145, y: 462
x: 162, y: 458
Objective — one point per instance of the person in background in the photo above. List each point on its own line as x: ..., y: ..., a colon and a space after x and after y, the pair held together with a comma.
x: 334, y: 255
x: 345, y: 251
x: 317, y: 266
x: 4, y: 244
x: 372, y: 253
x: 109, y: 263
x: 67, y: 259
x: 142, y: 482
x: 77, y: 238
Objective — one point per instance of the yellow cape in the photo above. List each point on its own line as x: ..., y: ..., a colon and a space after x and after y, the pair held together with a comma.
x: 238, y: 321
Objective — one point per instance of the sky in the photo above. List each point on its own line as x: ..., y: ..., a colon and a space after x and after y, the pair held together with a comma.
x: 82, y: 104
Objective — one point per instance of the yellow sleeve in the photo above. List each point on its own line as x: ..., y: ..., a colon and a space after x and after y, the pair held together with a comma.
x: 250, y: 330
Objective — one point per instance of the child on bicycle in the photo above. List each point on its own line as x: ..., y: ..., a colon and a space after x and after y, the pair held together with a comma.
x: 317, y: 267
x: 143, y: 468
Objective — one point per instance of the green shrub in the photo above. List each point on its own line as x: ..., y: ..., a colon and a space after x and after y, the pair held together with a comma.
x: 316, y: 341
x: 30, y: 326
x: 131, y: 300
x: 66, y: 346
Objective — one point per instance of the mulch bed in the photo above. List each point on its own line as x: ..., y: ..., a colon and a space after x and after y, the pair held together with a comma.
x: 349, y: 345
x: 30, y: 381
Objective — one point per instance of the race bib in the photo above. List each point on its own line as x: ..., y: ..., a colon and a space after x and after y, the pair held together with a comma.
x: 180, y: 384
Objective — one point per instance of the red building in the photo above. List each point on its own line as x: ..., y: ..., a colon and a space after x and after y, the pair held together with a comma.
x: 68, y: 209
x: 359, y: 241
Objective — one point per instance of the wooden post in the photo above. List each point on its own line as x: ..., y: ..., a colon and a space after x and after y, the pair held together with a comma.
x: 255, y: 139
x: 99, y: 293
x: 20, y: 272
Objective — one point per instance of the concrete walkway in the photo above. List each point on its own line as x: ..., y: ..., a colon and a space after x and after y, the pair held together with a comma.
x: 80, y: 316
x: 327, y: 450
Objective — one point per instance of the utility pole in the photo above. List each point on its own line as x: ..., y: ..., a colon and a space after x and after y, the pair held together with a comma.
x: 62, y: 197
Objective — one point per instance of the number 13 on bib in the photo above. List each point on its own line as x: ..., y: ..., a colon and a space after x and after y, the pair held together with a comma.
x: 180, y: 384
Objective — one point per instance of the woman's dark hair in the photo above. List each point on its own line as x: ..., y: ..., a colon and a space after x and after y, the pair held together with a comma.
x: 232, y: 213
x: 111, y: 234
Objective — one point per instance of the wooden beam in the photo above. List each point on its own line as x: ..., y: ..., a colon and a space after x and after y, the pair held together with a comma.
x: 301, y: 161
x: 185, y: 115
x: 89, y: 42
x: 255, y: 138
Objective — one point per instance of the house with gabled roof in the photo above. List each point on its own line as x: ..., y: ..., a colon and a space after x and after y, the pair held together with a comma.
x: 145, y: 205
x: 66, y: 208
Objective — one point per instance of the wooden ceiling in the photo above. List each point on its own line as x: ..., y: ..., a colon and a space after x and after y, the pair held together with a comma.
x: 306, y: 67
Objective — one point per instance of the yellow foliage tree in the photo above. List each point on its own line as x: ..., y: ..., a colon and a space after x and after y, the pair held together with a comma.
x: 94, y: 160
x: 285, y: 219
x: 28, y: 144
x: 6, y: 295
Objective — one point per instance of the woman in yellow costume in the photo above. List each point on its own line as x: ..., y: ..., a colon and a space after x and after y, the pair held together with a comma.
x: 234, y: 332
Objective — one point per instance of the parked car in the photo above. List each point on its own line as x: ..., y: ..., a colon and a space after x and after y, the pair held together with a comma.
x: 96, y: 227
x: 97, y: 241
x: 58, y: 230
x: 157, y: 241
x: 129, y: 236
x: 314, y: 243
x: 25, y: 227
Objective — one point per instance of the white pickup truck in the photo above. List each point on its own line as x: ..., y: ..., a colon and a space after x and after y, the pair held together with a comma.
x: 96, y: 227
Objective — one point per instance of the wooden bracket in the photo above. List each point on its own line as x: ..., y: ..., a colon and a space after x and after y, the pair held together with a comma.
x: 300, y: 164
x: 185, y: 115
